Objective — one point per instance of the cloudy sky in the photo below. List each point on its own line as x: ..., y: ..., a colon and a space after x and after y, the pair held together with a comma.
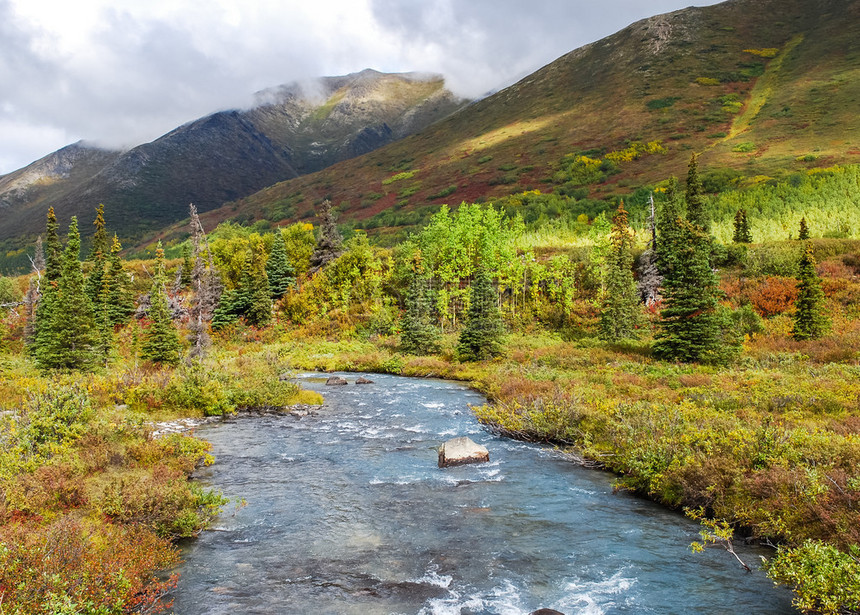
x: 123, y: 72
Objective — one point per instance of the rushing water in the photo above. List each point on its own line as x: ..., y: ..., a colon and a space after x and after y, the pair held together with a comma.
x: 347, y: 513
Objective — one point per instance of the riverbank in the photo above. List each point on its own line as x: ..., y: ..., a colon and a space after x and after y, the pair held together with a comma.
x: 95, y: 475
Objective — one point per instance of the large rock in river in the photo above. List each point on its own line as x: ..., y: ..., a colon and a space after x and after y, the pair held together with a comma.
x: 546, y: 612
x: 336, y: 381
x: 459, y: 451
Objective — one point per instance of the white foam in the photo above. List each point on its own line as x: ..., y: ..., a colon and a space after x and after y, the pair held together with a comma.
x: 501, y: 600
x: 595, y: 597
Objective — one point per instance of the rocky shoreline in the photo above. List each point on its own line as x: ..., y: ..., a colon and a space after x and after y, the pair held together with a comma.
x: 161, y: 429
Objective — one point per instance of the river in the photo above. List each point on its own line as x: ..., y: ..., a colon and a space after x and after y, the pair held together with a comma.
x: 347, y: 513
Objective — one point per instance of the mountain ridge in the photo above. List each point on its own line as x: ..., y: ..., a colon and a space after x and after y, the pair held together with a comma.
x: 223, y: 156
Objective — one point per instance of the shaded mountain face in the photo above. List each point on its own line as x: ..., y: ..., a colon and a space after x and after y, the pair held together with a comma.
x: 757, y: 87
x: 292, y: 130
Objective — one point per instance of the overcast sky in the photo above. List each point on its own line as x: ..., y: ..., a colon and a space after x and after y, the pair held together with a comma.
x: 123, y: 72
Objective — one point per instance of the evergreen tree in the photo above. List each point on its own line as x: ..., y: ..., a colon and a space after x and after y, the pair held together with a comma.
x: 481, y: 337
x: 742, y: 228
x: 619, y: 315
x: 696, y: 213
x: 417, y: 333
x: 278, y: 269
x: 67, y: 338
x: 118, y: 300
x: 259, y: 311
x: 690, y: 328
x: 53, y: 248
x: 98, y: 256
x: 810, y: 319
x: 329, y: 243
x: 803, y: 234
x: 160, y: 340
x: 226, y: 313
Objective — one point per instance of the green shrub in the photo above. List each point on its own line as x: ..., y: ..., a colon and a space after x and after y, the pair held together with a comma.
x: 825, y: 580
x: 662, y: 103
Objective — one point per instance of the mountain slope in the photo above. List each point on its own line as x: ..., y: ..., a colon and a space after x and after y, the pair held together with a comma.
x: 292, y: 130
x: 758, y: 87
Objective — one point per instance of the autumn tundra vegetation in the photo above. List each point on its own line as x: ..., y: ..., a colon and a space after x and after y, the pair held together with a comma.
x: 702, y: 345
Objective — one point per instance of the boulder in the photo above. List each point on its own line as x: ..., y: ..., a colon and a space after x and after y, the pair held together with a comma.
x: 336, y: 381
x: 363, y: 380
x: 462, y: 450
x: 546, y: 612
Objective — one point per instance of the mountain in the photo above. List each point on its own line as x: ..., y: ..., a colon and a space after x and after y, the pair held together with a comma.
x: 291, y: 130
x: 760, y: 88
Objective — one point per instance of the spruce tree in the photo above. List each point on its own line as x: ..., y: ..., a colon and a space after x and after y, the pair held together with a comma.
x: 278, y: 269
x: 68, y: 339
x: 742, y: 228
x: 803, y: 233
x: 259, y: 311
x: 53, y: 248
x: 810, y: 319
x: 690, y: 326
x: 98, y: 256
x: 329, y: 243
x: 53, y: 252
x: 225, y: 314
x: 417, y: 333
x: 696, y: 213
x: 481, y: 337
x: 160, y: 339
x: 118, y: 300
x: 619, y: 314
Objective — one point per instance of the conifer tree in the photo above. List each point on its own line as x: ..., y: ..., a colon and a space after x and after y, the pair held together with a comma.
x: 742, y: 228
x: 98, y: 256
x: 810, y: 319
x: 53, y: 248
x: 118, y: 300
x: 53, y: 252
x: 160, y: 340
x: 67, y: 338
x: 278, y: 269
x: 329, y: 243
x: 690, y: 328
x: 259, y: 311
x: 803, y: 233
x: 619, y: 314
x: 696, y: 213
x: 417, y: 333
x: 481, y: 337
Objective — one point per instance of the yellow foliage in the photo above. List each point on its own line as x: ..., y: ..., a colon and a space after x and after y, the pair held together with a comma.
x: 707, y: 81
x: 636, y: 150
x: 767, y: 52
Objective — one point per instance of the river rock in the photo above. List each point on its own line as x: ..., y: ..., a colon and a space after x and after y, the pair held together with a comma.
x: 546, y: 612
x: 363, y: 380
x: 336, y: 381
x: 462, y: 450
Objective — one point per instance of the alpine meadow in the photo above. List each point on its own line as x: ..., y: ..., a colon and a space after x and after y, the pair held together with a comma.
x: 645, y: 256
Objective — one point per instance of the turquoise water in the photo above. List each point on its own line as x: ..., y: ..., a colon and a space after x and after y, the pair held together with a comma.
x: 347, y: 513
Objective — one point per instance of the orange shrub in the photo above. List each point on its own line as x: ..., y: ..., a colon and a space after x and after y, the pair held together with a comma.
x: 769, y: 295
x: 74, y: 566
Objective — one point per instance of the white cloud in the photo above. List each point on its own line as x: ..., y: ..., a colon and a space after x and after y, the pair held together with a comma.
x: 121, y: 72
